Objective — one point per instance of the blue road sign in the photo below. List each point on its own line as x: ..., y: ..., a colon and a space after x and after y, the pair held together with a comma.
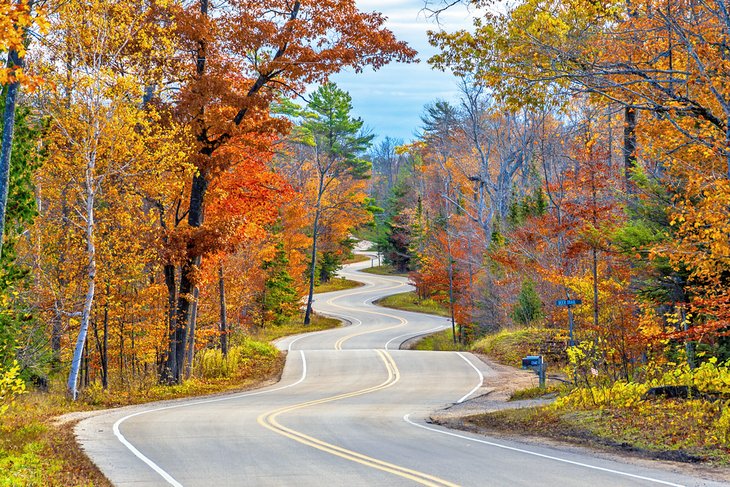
x: 568, y: 302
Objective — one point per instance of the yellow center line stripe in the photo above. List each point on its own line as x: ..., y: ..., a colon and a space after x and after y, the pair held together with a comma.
x: 269, y: 421
x: 402, y: 322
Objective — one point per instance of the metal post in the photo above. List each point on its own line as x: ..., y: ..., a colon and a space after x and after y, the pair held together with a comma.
x: 570, y: 330
x: 541, y: 373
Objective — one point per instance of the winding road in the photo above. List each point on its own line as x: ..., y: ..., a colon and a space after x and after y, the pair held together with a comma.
x: 349, y: 410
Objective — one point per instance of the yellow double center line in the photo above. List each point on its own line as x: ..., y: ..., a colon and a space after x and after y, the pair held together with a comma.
x: 341, y: 341
x: 270, y: 421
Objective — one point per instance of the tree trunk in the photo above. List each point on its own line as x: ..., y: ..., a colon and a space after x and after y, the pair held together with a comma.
x: 191, y: 334
x: 166, y: 374
x: 122, y: 377
x: 11, y: 98
x: 223, y: 325
x: 313, y: 261
x: 629, y: 146
x: 178, y: 337
x: 102, y: 347
x: 105, y: 350
x: 595, y: 288
x: 57, y: 321
x: 184, y: 303
x: 90, y: 279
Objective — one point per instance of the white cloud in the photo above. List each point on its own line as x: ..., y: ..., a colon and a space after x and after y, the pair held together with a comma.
x: 391, y: 100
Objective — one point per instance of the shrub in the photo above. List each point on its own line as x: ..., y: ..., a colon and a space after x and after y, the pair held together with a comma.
x: 619, y: 394
x: 528, y: 307
x: 211, y: 364
x: 508, y: 347
x: 11, y: 386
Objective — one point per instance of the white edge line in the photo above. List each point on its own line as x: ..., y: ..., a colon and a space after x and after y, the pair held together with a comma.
x: 156, y: 467
x: 407, y: 419
x: 481, y: 378
x: 440, y: 327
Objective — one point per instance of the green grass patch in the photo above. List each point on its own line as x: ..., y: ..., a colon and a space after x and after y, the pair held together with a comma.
x: 357, y: 258
x: 336, y: 284
x: 295, y: 326
x: 442, y: 341
x: 384, y: 270
x: 509, y: 346
x: 409, y: 302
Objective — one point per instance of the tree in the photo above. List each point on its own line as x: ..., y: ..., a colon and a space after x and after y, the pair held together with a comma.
x: 103, y: 143
x: 338, y: 145
x: 528, y: 307
x: 21, y: 211
x: 280, y: 300
x: 264, y: 49
x: 15, y: 20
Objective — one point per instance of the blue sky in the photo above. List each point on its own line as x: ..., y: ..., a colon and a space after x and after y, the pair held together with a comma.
x: 390, y: 101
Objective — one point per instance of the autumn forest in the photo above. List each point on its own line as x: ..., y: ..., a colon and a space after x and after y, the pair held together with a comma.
x: 178, y: 178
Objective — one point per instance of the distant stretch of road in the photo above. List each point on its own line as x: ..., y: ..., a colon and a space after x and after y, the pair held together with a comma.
x: 349, y: 410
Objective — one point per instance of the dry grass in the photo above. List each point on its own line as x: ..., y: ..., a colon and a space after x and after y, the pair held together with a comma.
x: 509, y: 346
x: 665, y: 432
x: 35, y: 451
x: 441, y: 341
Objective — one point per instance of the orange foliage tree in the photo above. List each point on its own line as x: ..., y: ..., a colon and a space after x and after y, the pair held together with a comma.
x: 243, y: 54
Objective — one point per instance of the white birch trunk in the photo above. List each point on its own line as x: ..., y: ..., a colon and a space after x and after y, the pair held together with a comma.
x: 73, y: 377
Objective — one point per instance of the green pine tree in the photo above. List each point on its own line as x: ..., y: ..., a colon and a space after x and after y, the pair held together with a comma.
x: 21, y: 210
x: 280, y: 300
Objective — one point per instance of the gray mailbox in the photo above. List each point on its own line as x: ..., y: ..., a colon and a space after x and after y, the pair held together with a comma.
x: 536, y: 364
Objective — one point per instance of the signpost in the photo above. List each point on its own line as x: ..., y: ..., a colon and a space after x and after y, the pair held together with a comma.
x: 569, y: 303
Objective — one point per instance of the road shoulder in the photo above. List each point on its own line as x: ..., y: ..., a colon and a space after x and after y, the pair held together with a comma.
x: 473, y: 416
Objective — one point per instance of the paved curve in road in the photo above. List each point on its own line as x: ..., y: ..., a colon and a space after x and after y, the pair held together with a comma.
x: 348, y: 411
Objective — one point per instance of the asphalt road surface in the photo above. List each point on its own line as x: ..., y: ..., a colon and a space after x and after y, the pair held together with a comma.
x: 349, y: 410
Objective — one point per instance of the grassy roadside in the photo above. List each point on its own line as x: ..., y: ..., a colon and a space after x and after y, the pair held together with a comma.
x: 384, y: 270
x: 442, y: 341
x: 295, y: 326
x: 36, y: 450
x: 509, y: 346
x: 336, y: 284
x: 615, y: 416
x: 357, y: 258
x: 409, y: 302
x: 661, y: 433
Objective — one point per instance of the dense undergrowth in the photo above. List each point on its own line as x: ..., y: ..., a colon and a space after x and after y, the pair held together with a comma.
x: 598, y: 409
